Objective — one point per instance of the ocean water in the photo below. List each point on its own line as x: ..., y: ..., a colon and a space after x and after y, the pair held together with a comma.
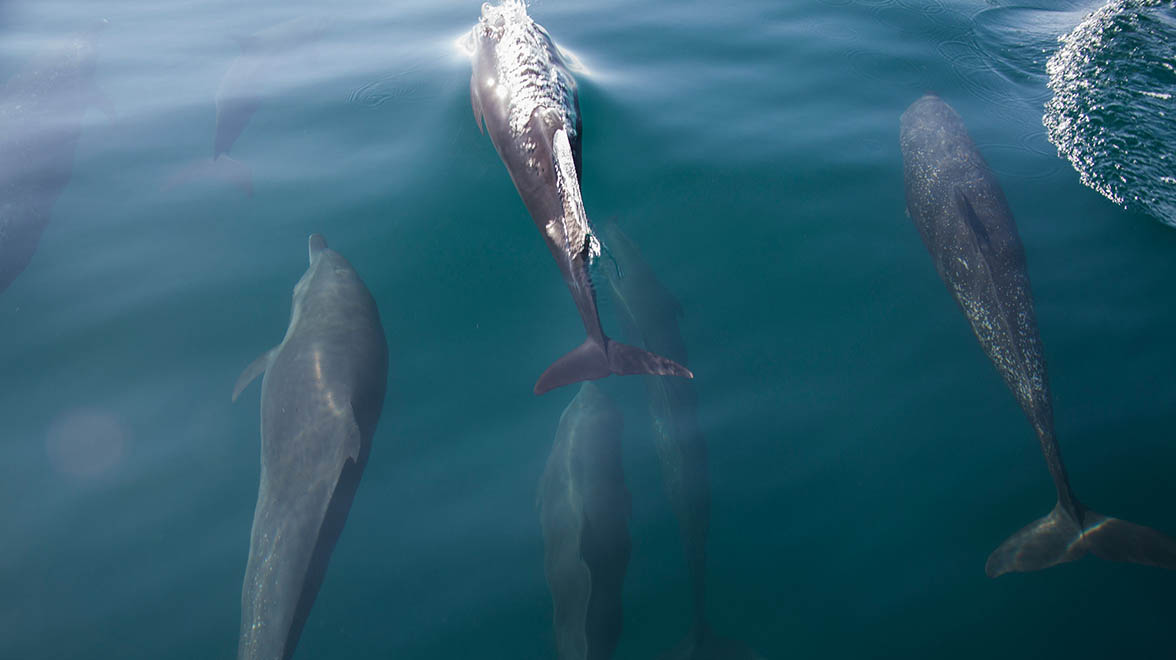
x: 865, y: 457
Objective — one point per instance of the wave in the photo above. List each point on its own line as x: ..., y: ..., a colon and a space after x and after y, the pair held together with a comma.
x: 1111, y: 113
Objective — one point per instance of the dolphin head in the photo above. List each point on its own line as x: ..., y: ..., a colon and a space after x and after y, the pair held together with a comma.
x: 497, y: 18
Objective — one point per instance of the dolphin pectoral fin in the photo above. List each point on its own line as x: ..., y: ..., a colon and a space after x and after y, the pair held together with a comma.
x: 1059, y: 538
x: 255, y: 369
x: 591, y: 361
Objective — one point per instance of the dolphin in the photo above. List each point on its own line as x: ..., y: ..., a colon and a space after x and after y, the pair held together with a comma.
x: 964, y: 219
x: 584, y: 511
x: 523, y: 93
x: 249, y: 79
x: 648, y: 310
x: 320, y: 400
x: 41, y: 112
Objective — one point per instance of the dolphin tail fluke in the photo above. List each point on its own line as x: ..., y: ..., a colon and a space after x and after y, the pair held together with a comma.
x: 1118, y: 540
x: 222, y: 167
x: 1060, y: 537
x: 235, y: 172
x: 592, y: 360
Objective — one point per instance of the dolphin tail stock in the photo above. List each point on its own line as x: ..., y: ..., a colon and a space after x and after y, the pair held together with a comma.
x: 222, y: 167
x: 1060, y: 537
x: 593, y: 359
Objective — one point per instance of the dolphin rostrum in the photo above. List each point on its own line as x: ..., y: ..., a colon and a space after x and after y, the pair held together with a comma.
x: 321, y: 397
x: 649, y: 311
x: 525, y: 96
x: 41, y: 113
x: 584, y: 510
x: 965, y: 221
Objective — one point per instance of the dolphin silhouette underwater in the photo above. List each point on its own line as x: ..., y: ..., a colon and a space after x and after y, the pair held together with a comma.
x: 648, y: 310
x: 321, y: 397
x: 524, y: 95
x: 41, y: 111
x: 965, y: 221
x: 584, y: 511
x: 243, y: 89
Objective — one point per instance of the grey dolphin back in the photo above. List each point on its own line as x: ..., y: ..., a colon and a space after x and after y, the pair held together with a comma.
x: 584, y: 513
x: 286, y: 576
x: 321, y: 398
x: 964, y: 219
x: 524, y: 96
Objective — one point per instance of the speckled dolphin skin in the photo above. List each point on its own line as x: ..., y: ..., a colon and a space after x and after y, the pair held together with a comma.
x: 961, y: 213
x: 41, y: 113
x: 321, y: 397
x: 524, y: 95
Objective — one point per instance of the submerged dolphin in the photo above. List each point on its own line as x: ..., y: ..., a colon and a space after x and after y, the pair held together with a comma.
x: 584, y: 510
x: 245, y: 85
x: 523, y: 93
x: 651, y: 312
x: 962, y: 214
x: 320, y: 400
x: 41, y: 113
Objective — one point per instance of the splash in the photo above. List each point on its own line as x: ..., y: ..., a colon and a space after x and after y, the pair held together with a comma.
x: 1111, y: 114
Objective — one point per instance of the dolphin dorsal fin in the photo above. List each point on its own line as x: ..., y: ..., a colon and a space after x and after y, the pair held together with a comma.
x: 255, y: 369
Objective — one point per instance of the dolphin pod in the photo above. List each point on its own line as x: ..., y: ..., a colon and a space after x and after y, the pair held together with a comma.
x: 524, y: 95
x: 961, y: 213
x: 321, y: 397
x: 584, y: 512
x: 41, y: 112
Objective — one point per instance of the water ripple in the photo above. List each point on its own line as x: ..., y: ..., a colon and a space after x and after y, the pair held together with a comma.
x: 1112, y: 82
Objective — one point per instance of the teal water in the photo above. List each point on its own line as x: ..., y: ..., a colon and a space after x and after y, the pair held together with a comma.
x: 865, y: 456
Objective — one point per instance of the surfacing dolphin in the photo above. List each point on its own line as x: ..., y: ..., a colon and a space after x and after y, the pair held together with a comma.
x: 41, y: 113
x: 264, y: 57
x: 584, y: 510
x: 320, y: 400
x: 525, y: 96
x: 648, y: 310
x: 961, y: 212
